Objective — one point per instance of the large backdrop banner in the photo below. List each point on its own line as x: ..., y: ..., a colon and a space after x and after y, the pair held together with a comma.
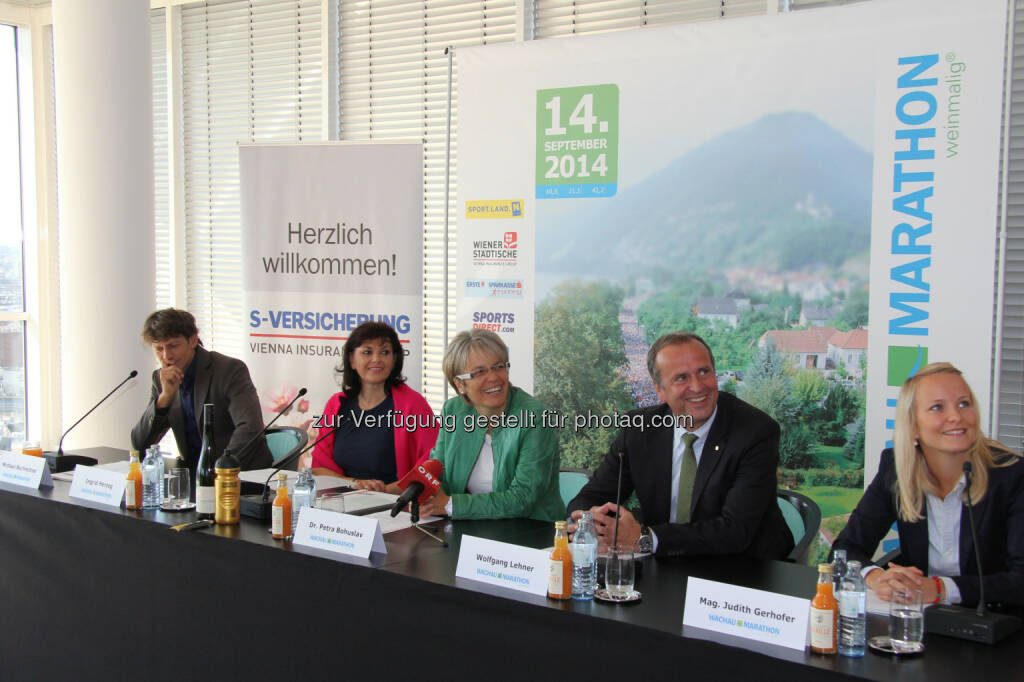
x: 332, y: 236
x: 813, y: 192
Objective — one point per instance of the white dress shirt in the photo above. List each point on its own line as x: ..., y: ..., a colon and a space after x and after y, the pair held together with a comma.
x: 678, y: 448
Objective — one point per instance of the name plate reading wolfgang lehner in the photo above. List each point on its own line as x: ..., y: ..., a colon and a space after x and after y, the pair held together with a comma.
x: 499, y: 563
x: 743, y: 612
x: 338, y: 533
x: 102, y: 486
x: 24, y: 471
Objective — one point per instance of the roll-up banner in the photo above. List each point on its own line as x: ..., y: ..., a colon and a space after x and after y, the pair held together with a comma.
x: 332, y: 237
x: 814, y: 192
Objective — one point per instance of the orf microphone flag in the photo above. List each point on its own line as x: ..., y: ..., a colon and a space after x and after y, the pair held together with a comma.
x: 422, y: 481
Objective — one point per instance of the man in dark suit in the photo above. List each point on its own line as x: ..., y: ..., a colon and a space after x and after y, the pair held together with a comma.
x: 190, y: 376
x: 702, y: 465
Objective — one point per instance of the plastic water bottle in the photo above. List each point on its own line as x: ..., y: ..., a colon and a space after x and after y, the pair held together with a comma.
x: 838, y: 570
x: 584, y: 558
x: 304, y: 494
x: 852, y: 608
x: 152, y: 479
x: 161, y: 488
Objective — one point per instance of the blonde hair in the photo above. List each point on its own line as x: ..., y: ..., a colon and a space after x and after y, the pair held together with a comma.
x: 465, y: 342
x: 911, y: 471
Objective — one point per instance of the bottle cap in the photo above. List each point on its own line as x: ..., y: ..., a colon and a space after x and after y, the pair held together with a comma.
x: 133, y: 454
x: 559, y: 525
x: 825, y: 568
x: 226, y: 462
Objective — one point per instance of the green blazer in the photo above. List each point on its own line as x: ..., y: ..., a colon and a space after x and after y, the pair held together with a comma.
x: 525, y: 462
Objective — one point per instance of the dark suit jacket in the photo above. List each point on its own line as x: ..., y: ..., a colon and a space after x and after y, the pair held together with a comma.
x: 1000, y: 526
x: 237, y: 417
x: 733, y: 511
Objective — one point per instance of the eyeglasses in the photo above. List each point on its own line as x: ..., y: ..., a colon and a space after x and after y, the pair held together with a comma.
x: 499, y: 368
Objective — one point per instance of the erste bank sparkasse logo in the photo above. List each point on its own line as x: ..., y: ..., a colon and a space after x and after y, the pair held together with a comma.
x: 493, y: 288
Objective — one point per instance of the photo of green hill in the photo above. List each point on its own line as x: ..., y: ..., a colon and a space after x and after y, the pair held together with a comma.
x: 757, y: 240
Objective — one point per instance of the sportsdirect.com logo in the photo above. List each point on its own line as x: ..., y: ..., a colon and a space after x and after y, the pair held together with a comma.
x: 501, y: 323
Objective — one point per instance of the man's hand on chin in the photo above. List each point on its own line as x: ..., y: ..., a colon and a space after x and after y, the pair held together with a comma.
x: 170, y: 381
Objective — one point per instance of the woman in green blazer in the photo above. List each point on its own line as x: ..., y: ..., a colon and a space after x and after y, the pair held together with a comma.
x: 499, y: 462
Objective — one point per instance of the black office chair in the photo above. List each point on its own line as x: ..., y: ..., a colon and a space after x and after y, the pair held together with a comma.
x: 803, y: 516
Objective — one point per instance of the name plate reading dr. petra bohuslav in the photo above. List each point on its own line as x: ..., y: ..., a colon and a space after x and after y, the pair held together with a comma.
x: 338, y: 533
x: 499, y: 563
x: 102, y: 486
x: 24, y: 471
x: 744, y: 612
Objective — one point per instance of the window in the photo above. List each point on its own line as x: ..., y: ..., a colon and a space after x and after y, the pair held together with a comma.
x: 13, y: 316
x: 393, y: 84
x: 251, y: 72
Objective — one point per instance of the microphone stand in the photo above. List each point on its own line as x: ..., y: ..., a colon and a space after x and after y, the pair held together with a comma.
x: 618, y: 500
x: 961, y: 622
x: 57, y: 461
x: 280, y: 413
x: 258, y: 506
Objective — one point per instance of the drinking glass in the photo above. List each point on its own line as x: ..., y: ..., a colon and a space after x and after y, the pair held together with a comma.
x: 906, y: 619
x: 179, y: 489
x: 31, y: 447
x: 331, y: 502
x: 604, y: 552
x: 619, y: 573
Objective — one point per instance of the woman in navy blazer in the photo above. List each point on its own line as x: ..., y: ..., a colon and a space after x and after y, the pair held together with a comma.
x: 921, y: 486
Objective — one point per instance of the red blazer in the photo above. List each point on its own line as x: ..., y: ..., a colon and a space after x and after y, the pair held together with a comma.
x: 412, y: 446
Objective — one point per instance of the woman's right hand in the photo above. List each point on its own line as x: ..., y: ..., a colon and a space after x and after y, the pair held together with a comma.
x: 883, y: 581
x: 370, y: 484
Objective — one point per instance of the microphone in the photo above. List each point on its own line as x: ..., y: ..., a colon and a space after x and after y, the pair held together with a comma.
x: 422, y: 481
x: 618, y: 501
x: 258, y: 505
x: 961, y: 622
x: 245, y: 448
x: 57, y: 461
x: 968, y: 471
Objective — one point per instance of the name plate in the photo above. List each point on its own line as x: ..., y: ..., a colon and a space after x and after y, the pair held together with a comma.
x: 744, y: 612
x: 101, y: 486
x: 339, y: 533
x: 499, y: 563
x: 25, y: 471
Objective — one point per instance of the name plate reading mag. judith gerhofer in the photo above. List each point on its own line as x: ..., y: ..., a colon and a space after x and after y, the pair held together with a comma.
x: 744, y: 612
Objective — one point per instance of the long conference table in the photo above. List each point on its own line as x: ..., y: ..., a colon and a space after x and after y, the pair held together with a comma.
x: 99, y: 593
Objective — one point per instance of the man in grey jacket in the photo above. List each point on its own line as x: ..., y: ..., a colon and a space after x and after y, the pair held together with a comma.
x: 189, y: 376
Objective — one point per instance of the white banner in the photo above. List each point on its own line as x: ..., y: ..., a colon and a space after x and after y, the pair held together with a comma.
x: 332, y: 237
x: 764, y: 180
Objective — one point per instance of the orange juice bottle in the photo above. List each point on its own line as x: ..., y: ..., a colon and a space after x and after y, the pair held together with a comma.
x: 133, y: 484
x: 281, y: 514
x: 824, y: 614
x: 560, y: 570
